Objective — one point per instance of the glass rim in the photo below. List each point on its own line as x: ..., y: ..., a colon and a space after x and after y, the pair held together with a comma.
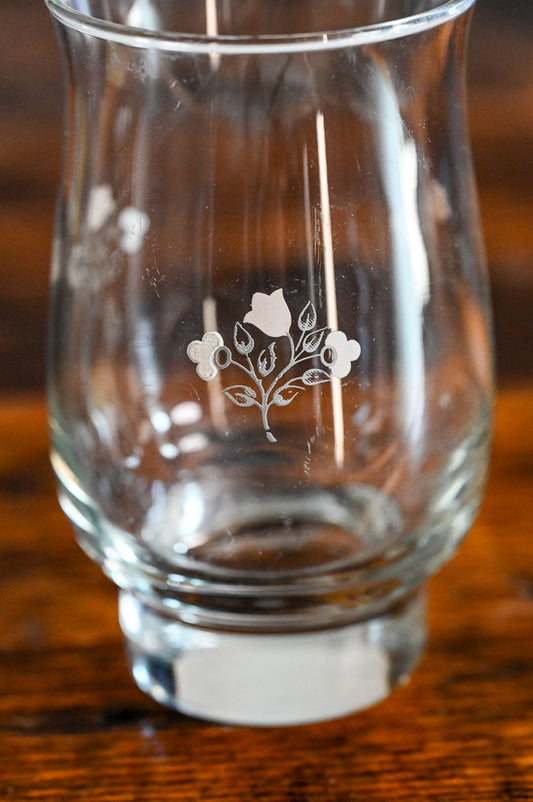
x: 445, y: 11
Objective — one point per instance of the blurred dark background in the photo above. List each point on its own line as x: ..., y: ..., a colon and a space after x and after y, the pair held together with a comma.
x: 501, y: 113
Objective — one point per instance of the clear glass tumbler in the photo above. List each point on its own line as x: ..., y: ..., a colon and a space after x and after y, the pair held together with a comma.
x: 270, y: 379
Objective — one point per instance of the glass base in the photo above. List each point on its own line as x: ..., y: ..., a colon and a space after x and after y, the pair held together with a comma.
x: 271, y: 679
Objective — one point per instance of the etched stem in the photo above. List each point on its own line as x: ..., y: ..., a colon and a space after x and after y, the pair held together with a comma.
x: 286, y: 369
x: 238, y: 365
x: 266, y: 426
x: 253, y: 374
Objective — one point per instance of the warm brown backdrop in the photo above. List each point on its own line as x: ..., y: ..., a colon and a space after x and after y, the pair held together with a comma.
x: 72, y: 725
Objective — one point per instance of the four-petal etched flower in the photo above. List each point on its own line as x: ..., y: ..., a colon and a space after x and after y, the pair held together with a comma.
x: 270, y: 313
x: 202, y: 353
x: 344, y: 352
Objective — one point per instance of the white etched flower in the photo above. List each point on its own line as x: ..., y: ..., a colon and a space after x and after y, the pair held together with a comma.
x: 270, y: 313
x: 203, y: 354
x: 338, y: 353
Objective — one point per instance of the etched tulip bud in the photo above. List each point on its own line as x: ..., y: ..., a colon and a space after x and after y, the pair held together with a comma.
x: 270, y: 313
x: 244, y: 343
x: 307, y: 319
x: 266, y: 364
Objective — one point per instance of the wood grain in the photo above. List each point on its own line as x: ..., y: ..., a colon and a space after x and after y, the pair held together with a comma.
x: 72, y: 724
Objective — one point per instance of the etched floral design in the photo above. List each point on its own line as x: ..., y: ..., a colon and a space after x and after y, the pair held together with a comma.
x: 203, y: 353
x: 328, y: 355
x: 270, y: 313
x: 343, y: 352
x: 130, y: 224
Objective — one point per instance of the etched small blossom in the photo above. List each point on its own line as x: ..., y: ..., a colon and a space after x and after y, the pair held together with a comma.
x: 344, y: 352
x: 270, y: 313
x: 203, y: 354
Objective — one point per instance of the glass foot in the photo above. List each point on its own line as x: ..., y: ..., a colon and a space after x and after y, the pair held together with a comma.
x: 271, y: 679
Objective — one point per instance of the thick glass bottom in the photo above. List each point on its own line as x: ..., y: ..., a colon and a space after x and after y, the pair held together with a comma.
x: 271, y: 679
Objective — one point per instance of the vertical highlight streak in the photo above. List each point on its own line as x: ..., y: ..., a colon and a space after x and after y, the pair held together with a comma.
x: 329, y: 272
x: 308, y: 226
x: 325, y: 217
x: 317, y: 391
x: 409, y: 258
x: 211, y: 28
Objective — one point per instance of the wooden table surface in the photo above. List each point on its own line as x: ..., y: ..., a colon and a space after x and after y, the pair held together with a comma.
x: 72, y: 724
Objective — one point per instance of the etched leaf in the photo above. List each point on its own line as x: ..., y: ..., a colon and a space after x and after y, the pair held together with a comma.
x: 307, y: 319
x: 241, y: 395
x: 315, y: 376
x: 262, y: 367
x: 284, y: 396
x: 242, y: 339
x: 312, y: 341
x: 265, y: 365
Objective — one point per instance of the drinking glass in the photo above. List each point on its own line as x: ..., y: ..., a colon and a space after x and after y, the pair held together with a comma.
x: 270, y: 381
